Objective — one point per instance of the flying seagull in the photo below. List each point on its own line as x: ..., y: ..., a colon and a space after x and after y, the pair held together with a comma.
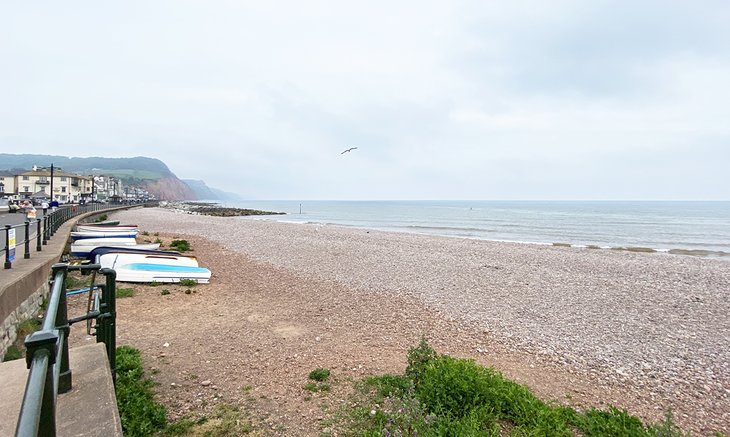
x: 348, y: 150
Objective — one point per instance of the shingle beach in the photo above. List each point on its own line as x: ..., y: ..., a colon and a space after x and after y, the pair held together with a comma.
x: 645, y: 331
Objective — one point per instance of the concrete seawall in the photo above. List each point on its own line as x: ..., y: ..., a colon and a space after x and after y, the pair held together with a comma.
x: 24, y: 286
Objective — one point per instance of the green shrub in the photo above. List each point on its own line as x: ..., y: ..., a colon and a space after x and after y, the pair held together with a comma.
x: 418, y: 359
x: 188, y: 282
x: 180, y: 245
x: 140, y: 414
x: 457, y: 397
x: 319, y: 374
x: 390, y: 385
x: 611, y: 422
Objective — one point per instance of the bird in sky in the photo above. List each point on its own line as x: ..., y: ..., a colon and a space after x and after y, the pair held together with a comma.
x: 348, y: 150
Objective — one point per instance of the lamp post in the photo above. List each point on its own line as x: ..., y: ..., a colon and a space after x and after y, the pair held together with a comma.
x: 52, y: 197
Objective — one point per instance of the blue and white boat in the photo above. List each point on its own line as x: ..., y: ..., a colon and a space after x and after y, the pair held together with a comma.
x: 152, y: 272
x: 112, y: 260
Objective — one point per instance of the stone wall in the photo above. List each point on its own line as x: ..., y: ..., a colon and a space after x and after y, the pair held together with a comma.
x: 28, y: 309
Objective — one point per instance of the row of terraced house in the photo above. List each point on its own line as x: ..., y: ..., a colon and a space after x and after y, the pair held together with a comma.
x: 68, y: 187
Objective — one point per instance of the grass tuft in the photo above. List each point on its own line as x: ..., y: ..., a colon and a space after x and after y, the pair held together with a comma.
x: 124, y: 292
x: 180, y: 245
x: 319, y: 374
x: 140, y: 414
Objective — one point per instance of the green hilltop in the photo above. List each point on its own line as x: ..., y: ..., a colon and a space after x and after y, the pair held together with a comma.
x: 129, y: 170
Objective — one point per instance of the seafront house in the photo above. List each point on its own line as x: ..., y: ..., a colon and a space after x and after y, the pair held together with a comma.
x: 108, y: 188
x: 7, y: 183
x: 67, y: 187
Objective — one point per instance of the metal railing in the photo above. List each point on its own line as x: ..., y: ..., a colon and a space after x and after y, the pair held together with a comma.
x: 42, y: 229
x: 47, y: 355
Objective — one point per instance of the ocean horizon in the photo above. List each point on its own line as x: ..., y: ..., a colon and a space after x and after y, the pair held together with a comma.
x: 685, y: 227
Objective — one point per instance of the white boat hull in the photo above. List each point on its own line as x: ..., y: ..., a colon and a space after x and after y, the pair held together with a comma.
x: 145, y: 272
x: 112, y: 260
x: 119, y: 241
x: 91, y: 228
x: 83, y: 250
x: 98, y: 234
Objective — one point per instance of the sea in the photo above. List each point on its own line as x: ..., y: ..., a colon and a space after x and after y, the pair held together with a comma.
x: 686, y: 227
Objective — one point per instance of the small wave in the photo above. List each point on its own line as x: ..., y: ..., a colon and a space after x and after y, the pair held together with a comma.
x: 447, y: 228
x: 699, y: 252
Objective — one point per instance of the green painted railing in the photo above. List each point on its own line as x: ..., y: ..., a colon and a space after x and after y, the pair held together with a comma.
x: 47, y: 354
x: 42, y: 229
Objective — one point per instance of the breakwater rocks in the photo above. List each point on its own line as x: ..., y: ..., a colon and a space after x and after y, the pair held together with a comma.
x: 213, y: 209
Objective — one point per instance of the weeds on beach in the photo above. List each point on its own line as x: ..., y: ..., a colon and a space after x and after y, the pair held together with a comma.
x: 124, y: 292
x: 443, y: 396
x: 318, y: 377
x: 319, y: 374
x: 140, y: 414
x: 180, y: 245
x: 188, y: 282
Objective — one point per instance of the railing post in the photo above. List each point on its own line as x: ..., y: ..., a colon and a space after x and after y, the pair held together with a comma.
x: 51, y: 223
x: 38, y: 236
x: 106, y: 330
x: 61, y: 323
x: 46, y: 220
x: 26, y: 255
x: 8, y: 264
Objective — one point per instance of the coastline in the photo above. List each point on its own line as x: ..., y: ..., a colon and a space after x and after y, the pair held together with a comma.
x: 493, y: 221
x: 643, y: 331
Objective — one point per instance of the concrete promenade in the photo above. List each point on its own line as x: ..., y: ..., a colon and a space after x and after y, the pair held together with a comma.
x: 90, y: 407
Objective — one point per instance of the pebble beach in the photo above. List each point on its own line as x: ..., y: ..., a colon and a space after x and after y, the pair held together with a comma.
x: 649, y: 331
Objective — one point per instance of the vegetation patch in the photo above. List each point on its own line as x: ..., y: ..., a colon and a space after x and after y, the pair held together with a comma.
x: 188, y: 282
x: 140, y: 414
x: 124, y: 292
x: 562, y: 244
x: 101, y: 218
x: 13, y: 353
x: 180, y: 245
x: 23, y: 329
x: 319, y: 374
x: 443, y: 396
x: 318, y: 384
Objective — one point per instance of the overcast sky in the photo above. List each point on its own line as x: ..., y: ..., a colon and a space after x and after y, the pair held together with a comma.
x: 444, y: 100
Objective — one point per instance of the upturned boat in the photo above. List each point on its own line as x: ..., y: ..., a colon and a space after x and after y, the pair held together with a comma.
x: 84, y: 250
x: 101, y: 250
x: 82, y: 235
x: 155, y: 272
x: 112, y: 260
x: 94, y: 228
